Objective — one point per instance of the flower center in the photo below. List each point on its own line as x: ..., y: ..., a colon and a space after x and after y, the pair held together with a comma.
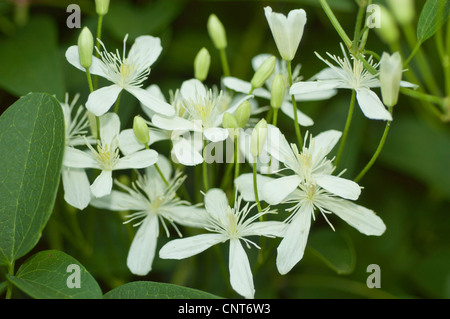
x: 106, y: 155
x: 156, y: 203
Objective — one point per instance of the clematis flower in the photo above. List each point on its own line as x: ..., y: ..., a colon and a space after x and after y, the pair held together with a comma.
x: 286, y: 107
x: 153, y: 203
x: 127, y: 72
x: 227, y: 224
x: 107, y: 157
x: 75, y: 180
x: 349, y: 74
x: 200, y: 111
x: 287, y: 31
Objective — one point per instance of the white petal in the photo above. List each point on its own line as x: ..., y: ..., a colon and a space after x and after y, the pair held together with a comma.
x: 244, y: 184
x: 154, y: 90
x: 73, y: 58
x: 128, y: 142
x: 144, y: 51
x: 292, y: 247
x: 324, y: 143
x: 241, y: 278
x: 142, y: 250
x: 190, y: 246
x: 216, y: 134
x: 241, y: 86
x: 407, y: 84
x: 310, y: 87
x: 216, y: 203
x: 119, y: 201
x: 193, y: 90
x: 172, y: 123
x: 274, y: 192
x: 164, y: 165
x: 102, y: 185
x: 342, y: 187
x: 278, y: 146
x: 100, y: 101
x: 316, y: 96
x: 371, y: 105
x: 76, y: 187
x: 153, y: 103
x: 185, y: 153
x: 359, y: 217
x: 76, y: 158
x: 269, y: 229
x: 109, y: 128
x: 190, y: 216
x: 303, y: 119
x: 140, y: 159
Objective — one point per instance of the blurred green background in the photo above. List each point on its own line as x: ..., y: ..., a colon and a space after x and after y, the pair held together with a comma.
x: 409, y: 187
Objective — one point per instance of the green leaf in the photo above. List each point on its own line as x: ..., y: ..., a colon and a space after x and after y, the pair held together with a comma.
x: 334, y: 249
x: 156, y: 290
x: 48, y: 275
x: 433, y: 16
x: 32, y: 139
x: 30, y: 60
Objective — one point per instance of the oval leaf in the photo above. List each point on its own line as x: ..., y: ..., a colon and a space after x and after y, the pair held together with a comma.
x: 433, y: 16
x: 32, y: 139
x: 334, y: 249
x: 53, y: 274
x: 156, y: 290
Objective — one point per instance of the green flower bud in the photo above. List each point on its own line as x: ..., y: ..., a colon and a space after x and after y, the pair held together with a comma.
x: 242, y: 114
x: 390, y: 77
x: 101, y: 7
x: 404, y: 10
x: 277, y: 91
x: 229, y: 121
x: 388, y: 32
x: 85, y: 47
x: 263, y: 72
x: 201, y: 64
x: 141, y: 130
x: 259, y: 135
x: 217, y: 32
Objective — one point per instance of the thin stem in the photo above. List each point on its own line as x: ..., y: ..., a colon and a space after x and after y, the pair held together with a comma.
x: 99, y: 37
x: 255, y: 188
x: 377, y: 152
x: 334, y: 21
x: 205, y: 176
x: 275, y: 117
x: 224, y: 60
x: 161, y: 174
x: 10, y: 285
x: 347, y: 128
x: 236, y: 163
x: 358, y: 25
x: 430, y: 99
x: 294, y: 104
x: 88, y: 75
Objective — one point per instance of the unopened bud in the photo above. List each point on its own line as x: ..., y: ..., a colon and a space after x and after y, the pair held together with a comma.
x: 277, y: 91
x: 85, y: 47
x: 390, y: 77
x: 259, y: 135
x: 217, y: 32
x: 404, y: 10
x: 242, y: 114
x: 263, y: 72
x: 101, y: 7
x: 141, y: 130
x: 201, y: 64
x: 229, y: 121
x: 388, y: 31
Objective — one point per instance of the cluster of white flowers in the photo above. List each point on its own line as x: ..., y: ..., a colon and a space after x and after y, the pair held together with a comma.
x: 193, y: 118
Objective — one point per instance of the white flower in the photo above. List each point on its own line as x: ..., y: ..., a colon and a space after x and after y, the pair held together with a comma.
x: 106, y: 157
x: 349, y: 74
x: 286, y: 107
x: 127, y: 72
x: 199, y: 110
x: 75, y: 180
x: 287, y: 31
x: 227, y: 224
x: 391, y: 68
x: 153, y: 202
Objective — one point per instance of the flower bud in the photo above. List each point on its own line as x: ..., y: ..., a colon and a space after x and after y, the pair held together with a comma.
x: 259, y: 135
x: 404, y: 10
x: 201, y: 64
x: 229, y: 121
x: 277, y: 91
x: 388, y: 31
x: 141, y: 130
x: 101, y: 7
x: 263, y: 72
x: 217, y: 32
x: 242, y: 114
x: 390, y: 77
x: 85, y: 47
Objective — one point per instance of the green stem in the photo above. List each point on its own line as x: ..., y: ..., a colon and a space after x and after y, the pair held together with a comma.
x: 88, y: 75
x: 377, y: 152
x: 294, y: 104
x: 334, y: 21
x: 116, y: 106
x: 347, y: 128
x: 358, y: 26
x: 161, y: 174
x: 10, y: 285
x: 99, y: 37
x: 430, y: 99
x: 255, y: 187
x: 236, y: 163
x: 205, y: 176
x: 224, y: 60
x: 275, y: 117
